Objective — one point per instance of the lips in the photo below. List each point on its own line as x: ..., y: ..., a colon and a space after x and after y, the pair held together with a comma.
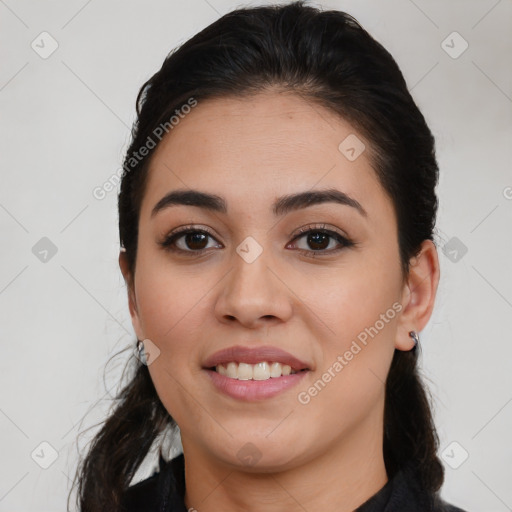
x: 241, y: 354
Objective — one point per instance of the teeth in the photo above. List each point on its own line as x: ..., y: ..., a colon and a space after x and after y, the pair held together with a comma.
x: 232, y: 370
x: 259, y: 371
x: 245, y: 371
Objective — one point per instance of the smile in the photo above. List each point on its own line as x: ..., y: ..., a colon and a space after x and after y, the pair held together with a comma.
x: 254, y: 373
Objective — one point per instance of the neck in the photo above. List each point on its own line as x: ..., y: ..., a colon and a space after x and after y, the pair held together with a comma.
x: 340, y: 479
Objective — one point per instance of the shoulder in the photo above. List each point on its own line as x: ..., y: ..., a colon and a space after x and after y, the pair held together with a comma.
x: 443, y: 506
x: 143, y: 496
x: 160, y: 491
x: 408, y: 491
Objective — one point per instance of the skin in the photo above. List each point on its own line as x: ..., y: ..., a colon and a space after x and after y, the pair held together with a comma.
x: 326, y: 454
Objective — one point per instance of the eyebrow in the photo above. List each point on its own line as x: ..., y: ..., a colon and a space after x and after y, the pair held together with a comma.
x: 281, y: 206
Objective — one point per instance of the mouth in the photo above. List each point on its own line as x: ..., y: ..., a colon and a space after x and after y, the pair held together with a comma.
x: 253, y: 374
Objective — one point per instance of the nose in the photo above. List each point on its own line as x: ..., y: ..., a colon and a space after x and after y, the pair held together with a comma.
x: 254, y: 295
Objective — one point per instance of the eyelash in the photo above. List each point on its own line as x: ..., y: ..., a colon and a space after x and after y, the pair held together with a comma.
x: 345, y: 242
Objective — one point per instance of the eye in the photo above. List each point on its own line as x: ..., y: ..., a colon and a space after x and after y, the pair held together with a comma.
x: 189, y: 239
x: 313, y: 241
x: 318, y: 239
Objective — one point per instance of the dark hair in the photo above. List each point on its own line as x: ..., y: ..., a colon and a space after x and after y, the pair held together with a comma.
x: 328, y: 58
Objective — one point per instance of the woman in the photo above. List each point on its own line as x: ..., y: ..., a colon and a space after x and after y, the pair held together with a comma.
x: 276, y: 219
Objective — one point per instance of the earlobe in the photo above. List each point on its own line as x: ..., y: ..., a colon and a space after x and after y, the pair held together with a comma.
x: 419, y: 293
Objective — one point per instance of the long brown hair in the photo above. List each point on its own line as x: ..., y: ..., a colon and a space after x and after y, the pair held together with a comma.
x: 328, y: 58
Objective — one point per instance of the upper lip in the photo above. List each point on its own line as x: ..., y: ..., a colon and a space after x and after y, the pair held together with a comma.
x: 241, y: 354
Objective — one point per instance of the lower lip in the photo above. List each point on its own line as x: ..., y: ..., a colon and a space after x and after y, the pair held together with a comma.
x: 252, y: 390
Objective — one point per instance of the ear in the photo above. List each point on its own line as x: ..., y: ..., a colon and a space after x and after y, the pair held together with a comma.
x: 132, y: 300
x: 418, y: 294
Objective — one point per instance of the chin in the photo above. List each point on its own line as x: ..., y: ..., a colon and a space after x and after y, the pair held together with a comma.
x: 259, y: 454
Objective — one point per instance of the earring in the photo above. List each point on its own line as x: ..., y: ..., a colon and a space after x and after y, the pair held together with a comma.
x: 141, y: 354
x: 416, y: 338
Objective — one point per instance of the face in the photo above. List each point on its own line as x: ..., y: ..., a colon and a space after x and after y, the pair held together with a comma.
x: 264, y: 266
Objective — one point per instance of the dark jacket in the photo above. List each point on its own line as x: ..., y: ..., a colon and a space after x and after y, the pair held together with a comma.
x: 164, y: 491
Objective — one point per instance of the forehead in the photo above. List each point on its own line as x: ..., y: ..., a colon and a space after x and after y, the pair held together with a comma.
x: 253, y: 149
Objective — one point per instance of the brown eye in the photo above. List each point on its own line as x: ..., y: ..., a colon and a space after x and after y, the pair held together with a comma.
x: 320, y: 241
x: 189, y: 241
x: 195, y: 241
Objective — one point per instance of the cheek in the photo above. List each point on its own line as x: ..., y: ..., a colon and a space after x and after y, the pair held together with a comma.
x: 169, y: 299
x: 356, y: 353
x: 172, y: 309
x: 175, y: 307
x: 358, y: 312
x: 351, y: 298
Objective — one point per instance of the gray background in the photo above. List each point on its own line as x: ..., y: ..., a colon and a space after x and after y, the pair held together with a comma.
x: 64, y: 126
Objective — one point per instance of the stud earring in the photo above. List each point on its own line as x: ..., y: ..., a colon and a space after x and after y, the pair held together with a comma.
x: 141, y: 354
x: 416, y: 338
